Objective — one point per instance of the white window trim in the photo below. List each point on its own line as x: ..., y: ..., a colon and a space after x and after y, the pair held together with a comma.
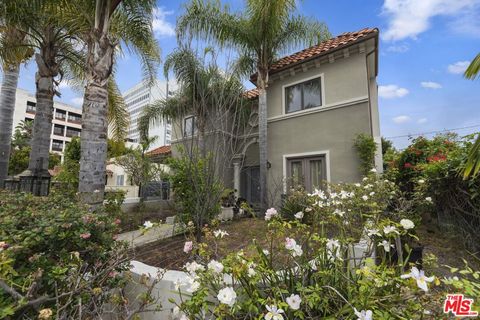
x: 322, y: 89
x: 193, y: 128
x: 325, y: 153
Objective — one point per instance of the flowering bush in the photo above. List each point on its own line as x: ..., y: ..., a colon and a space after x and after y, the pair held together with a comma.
x: 324, y: 269
x: 55, y: 255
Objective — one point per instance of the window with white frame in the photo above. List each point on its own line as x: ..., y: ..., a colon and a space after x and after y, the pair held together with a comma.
x: 120, y: 179
x: 189, y: 126
x: 303, y: 95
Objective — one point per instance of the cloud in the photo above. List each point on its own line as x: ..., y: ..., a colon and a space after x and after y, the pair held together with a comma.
x: 409, y: 18
x: 77, y: 101
x: 430, y: 85
x: 161, y: 26
x: 391, y: 91
x: 458, y: 67
x: 401, y: 119
x: 398, y: 48
x: 422, y: 120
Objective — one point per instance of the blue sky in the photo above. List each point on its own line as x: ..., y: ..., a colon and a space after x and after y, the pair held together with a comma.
x: 425, y: 46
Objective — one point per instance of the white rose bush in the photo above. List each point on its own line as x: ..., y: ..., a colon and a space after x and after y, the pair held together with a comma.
x: 310, y: 268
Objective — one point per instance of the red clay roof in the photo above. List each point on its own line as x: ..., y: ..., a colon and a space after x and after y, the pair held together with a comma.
x: 323, y: 47
x: 163, y: 150
x: 251, y: 94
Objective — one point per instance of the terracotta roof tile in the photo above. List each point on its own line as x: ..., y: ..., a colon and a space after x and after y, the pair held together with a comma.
x: 163, y: 150
x: 322, y: 48
x: 251, y: 94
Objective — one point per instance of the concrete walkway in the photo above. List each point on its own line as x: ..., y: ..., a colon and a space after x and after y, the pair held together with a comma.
x: 136, y: 238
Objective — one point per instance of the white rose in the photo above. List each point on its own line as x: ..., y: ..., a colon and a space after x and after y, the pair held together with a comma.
x: 215, y: 266
x: 299, y: 215
x: 227, y: 296
x: 407, y: 224
x: 294, y: 301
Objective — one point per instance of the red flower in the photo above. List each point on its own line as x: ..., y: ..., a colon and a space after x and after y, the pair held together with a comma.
x: 407, y: 165
x: 117, y: 221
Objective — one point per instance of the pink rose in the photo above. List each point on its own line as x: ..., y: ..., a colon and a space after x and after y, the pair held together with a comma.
x: 85, y: 235
x: 188, y: 246
x: 117, y: 221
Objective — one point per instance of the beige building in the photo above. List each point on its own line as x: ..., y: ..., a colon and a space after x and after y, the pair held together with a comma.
x: 318, y: 100
x: 66, y: 122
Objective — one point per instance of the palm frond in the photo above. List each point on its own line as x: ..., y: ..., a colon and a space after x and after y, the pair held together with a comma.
x: 472, y: 166
x: 473, y: 69
x: 117, y: 114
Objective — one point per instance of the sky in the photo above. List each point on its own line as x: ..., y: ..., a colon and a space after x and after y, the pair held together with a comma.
x: 425, y: 46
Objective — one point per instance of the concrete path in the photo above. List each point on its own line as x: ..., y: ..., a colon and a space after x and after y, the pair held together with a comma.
x: 136, y: 238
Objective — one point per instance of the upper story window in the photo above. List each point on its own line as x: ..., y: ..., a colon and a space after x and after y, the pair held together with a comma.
x: 189, y: 126
x: 74, y: 117
x: 31, y: 107
x: 304, y: 95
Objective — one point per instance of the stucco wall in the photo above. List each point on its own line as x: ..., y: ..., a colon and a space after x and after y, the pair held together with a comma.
x: 343, y: 80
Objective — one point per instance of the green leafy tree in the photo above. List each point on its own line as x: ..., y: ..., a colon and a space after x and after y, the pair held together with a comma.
x: 70, y: 168
x: 265, y: 30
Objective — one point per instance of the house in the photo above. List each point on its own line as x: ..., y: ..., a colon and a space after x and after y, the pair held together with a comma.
x: 117, y: 178
x: 318, y: 100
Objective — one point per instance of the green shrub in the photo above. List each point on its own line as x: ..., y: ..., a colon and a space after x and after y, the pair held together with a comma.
x: 196, y: 189
x: 50, y: 245
x: 366, y: 148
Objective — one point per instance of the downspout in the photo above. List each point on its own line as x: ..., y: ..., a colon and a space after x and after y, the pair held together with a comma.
x: 368, y: 89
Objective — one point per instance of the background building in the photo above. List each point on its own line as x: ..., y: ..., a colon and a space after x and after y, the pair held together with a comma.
x: 136, y: 98
x: 66, y: 122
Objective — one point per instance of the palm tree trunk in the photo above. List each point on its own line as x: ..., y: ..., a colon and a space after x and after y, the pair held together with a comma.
x: 42, y: 125
x: 262, y: 140
x: 7, y: 108
x: 94, y: 121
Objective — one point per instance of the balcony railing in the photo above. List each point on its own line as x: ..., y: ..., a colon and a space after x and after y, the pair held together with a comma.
x: 60, y: 117
x: 57, y: 148
x: 58, y: 132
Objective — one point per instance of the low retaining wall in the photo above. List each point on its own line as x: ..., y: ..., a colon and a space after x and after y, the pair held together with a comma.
x: 165, y: 290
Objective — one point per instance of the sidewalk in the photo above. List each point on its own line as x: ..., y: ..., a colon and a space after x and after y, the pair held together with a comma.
x: 135, y: 238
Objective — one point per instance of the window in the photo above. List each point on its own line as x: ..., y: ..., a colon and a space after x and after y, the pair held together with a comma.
x: 308, y: 172
x: 120, y: 179
x: 57, y: 145
x: 58, y: 130
x: 303, y: 95
x: 31, y: 107
x: 60, y: 115
x: 73, y: 132
x: 189, y: 126
x: 73, y: 117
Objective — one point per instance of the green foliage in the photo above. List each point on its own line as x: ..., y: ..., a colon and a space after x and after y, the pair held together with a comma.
x: 315, y: 264
x: 196, y: 190
x: 68, y: 176
x: 366, y: 148
x: 116, y: 148
x: 46, y: 242
x: 54, y: 159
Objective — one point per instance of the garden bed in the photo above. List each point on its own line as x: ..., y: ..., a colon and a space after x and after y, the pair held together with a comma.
x: 168, y: 253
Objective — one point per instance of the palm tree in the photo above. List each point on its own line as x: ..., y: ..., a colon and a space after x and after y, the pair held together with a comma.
x: 267, y: 29
x: 472, y: 167
x: 10, y: 60
x: 38, y: 21
x: 102, y: 24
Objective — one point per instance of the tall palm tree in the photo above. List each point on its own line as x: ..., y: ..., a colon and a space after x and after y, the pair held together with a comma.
x: 472, y: 167
x: 11, y: 72
x: 10, y: 60
x: 38, y: 21
x: 266, y: 29
x: 102, y: 24
x: 201, y: 85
